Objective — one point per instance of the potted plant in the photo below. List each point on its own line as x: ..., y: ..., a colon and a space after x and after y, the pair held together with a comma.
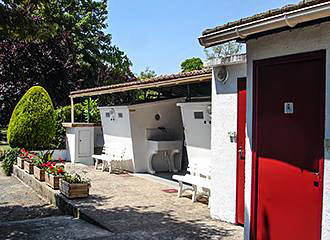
x: 28, y: 159
x: 40, y: 165
x: 20, y: 159
x: 53, y: 174
x: 74, y: 186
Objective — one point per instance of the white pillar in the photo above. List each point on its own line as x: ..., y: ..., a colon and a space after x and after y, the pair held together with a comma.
x: 72, y: 110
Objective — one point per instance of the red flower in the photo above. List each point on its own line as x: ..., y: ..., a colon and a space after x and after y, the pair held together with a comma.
x: 54, y: 164
x: 51, y: 167
x: 48, y: 164
x: 21, y: 155
x: 30, y: 156
x: 60, y: 170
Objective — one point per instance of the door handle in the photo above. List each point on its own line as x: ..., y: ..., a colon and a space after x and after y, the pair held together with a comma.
x: 316, y: 182
x: 240, y: 151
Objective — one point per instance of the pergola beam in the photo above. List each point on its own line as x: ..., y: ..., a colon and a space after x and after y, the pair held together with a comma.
x: 163, y: 83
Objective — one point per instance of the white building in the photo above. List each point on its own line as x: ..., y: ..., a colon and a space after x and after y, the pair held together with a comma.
x: 128, y: 129
x: 287, y: 166
x: 228, y: 138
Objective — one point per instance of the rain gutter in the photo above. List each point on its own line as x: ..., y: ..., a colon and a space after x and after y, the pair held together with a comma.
x: 288, y: 19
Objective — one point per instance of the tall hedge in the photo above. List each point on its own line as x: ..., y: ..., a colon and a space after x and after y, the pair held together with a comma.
x: 32, y: 123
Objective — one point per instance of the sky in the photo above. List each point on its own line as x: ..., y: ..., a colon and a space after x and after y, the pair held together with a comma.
x: 161, y: 34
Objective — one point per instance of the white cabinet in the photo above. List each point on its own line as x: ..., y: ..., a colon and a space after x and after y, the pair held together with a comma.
x: 80, y: 142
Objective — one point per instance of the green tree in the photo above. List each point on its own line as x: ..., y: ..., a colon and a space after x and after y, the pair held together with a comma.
x: 223, y: 50
x: 191, y: 64
x: 147, y: 73
x: 58, y: 44
x: 101, y: 62
x: 145, y: 94
x: 32, y: 124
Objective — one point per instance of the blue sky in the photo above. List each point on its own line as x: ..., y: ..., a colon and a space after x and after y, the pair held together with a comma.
x: 163, y: 33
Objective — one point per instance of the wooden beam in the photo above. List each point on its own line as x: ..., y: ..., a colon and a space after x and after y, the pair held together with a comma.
x: 164, y: 83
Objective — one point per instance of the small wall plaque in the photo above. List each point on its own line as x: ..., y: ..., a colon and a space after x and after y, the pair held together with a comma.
x: 288, y: 108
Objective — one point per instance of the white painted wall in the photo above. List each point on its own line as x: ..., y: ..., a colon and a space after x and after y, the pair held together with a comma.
x: 197, y: 134
x: 128, y: 134
x: 142, y: 116
x: 285, y: 43
x: 117, y: 134
x: 224, y: 120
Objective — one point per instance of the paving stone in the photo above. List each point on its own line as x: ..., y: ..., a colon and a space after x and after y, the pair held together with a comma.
x: 18, y: 202
x: 137, y: 208
x: 52, y: 228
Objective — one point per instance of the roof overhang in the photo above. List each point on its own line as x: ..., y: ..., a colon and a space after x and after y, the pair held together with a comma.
x: 158, y: 82
x: 288, y: 19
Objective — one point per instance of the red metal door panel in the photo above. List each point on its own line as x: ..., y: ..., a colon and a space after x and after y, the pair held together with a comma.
x: 241, y: 122
x: 289, y: 146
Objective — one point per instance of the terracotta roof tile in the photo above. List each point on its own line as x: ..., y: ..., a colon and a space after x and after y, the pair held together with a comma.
x: 269, y: 13
x: 149, y: 80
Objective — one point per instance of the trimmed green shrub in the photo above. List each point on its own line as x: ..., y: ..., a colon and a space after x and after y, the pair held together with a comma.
x: 32, y: 123
x: 10, y: 160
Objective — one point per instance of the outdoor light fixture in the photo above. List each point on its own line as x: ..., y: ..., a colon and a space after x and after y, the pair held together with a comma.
x: 222, y: 74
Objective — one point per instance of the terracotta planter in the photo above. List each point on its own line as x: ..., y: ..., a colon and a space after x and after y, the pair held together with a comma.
x: 28, y: 167
x: 74, y: 190
x: 52, y: 181
x: 39, y: 173
x: 20, y: 162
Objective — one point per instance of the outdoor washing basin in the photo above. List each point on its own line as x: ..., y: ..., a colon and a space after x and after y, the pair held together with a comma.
x: 164, y: 142
x: 164, y: 145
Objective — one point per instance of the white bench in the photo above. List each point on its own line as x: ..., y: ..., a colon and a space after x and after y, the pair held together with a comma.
x: 198, y: 177
x: 103, y: 158
x: 108, y: 155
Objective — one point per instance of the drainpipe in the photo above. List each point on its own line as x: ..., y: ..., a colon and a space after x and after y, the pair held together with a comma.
x: 289, y: 19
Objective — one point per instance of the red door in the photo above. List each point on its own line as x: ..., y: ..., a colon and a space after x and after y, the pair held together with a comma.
x: 241, y: 122
x: 288, y: 146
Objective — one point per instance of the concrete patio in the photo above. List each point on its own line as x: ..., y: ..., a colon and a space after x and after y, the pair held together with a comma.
x: 134, y: 207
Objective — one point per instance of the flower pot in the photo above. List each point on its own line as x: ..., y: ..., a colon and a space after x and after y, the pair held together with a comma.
x: 52, y: 181
x: 39, y: 173
x: 20, y: 162
x: 74, y: 190
x: 28, y: 167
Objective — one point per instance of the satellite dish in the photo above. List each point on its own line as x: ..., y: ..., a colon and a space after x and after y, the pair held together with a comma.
x: 222, y: 74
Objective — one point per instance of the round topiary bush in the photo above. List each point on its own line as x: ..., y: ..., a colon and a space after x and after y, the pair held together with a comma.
x: 32, y: 123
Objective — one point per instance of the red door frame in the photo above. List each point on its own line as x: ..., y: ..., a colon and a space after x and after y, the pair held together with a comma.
x: 254, y: 183
x: 241, y: 123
